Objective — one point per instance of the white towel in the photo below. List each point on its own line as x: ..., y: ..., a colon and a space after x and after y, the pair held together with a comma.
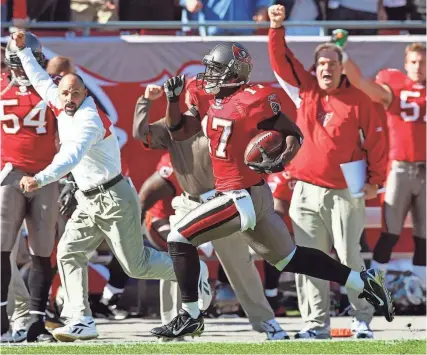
x: 243, y: 201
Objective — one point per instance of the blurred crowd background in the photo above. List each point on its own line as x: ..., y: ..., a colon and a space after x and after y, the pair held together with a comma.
x: 103, y: 11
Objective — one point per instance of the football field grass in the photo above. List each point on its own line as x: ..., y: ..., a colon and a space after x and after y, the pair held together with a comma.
x: 278, y: 347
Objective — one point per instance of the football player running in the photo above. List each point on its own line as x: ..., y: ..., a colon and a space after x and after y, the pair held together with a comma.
x: 243, y: 201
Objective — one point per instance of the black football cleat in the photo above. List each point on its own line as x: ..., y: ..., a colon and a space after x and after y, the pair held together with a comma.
x: 182, y: 325
x: 376, y: 293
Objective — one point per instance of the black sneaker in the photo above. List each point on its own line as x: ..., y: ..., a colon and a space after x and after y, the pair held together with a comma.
x: 114, y: 305
x: 53, y: 320
x: 182, y: 325
x: 100, y: 310
x: 37, y: 332
x: 376, y: 293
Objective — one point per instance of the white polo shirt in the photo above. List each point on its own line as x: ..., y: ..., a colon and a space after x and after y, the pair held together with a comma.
x: 89, y: 145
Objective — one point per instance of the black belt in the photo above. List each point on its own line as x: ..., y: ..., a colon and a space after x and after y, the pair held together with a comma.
x: 103, y: 187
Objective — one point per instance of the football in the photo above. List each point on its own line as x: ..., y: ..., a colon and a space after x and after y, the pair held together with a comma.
x: 273, y: 143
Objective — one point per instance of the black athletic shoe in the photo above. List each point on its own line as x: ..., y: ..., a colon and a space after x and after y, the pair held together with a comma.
x: 114, y: 306
x: 376, y: 293
x: 182, y: 325
x: 37, y: 332
x: 53, y: 320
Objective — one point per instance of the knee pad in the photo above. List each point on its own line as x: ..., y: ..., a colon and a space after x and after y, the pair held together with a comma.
x: 419, y: 257
x: 176, y: 237
x: 384, y: 247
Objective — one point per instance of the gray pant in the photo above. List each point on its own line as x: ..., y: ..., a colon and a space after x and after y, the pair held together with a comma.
x: 406, y: 191
x: 115, y: 216
x: 324, y: 218
x: 234, y: 255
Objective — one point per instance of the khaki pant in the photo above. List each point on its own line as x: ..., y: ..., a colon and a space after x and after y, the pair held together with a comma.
x: 113, y: 216
x: 324, y: 218
x: 234, y: 255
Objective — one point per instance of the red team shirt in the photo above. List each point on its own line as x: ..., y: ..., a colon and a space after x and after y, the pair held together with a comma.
x: 406, y: 117
x: 229, y: 125
x: 282, y: 187
x: 28, y: 129
x: 163, y: 209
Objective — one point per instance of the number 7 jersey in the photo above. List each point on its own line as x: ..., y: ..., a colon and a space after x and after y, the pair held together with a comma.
x: 229, y: 125
x: 28, y: 128
x: 406, y: 116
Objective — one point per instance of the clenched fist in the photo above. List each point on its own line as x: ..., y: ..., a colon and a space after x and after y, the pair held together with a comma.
x: 174, y: 87
x: 153, y: 92
x: 277, y: 15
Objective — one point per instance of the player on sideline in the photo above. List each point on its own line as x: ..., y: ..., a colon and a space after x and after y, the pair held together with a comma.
x: 27, y: 138
x: 404, y: 99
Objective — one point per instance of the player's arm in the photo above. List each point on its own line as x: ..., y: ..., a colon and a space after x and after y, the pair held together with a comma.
x: 39, y: 78
x: 376, y: 92
x: 181, y: 126
x: 293, y: 135
x: 89, y: 130
x: 154, y: 135
x: 154, y: 189
x: 374, y: 141
x: 289, y: 71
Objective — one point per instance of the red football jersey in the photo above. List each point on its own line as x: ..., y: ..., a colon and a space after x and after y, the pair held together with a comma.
x: 198, y: 97
x: 282, y: 186
x: 406, y: 116
x: 163, y: 209
x: 28, y: 128
x: 229, y: 125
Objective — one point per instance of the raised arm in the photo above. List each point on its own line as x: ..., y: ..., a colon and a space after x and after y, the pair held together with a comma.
x: 39, y: 78
x: 89, y: 130
x: 375, y: 141
x: 152, y: 135
x: 289, y: 71
x: 376, y: 92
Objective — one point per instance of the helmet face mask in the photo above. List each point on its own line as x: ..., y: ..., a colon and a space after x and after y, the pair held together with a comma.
x: 227, y: 65
x: 14, y: 63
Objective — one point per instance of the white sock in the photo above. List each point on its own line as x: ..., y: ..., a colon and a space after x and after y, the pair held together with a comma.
x: 271, y: 293
x: 192, y: 308
x: 378, y: 266
x: 110, y: 291
x: 420, y: 271
x: 355, y: 282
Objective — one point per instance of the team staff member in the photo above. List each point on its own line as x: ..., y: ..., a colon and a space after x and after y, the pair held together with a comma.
x: 108, y: 206
x: 339, y: 125
x: 192, y: 169
x: 404, y: 98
